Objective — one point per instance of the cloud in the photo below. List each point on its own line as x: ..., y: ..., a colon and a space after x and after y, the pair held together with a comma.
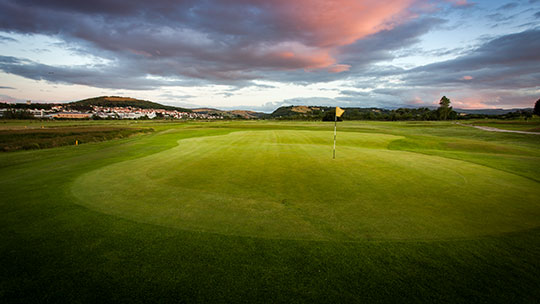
x: 379, y: 46
x: 211, y: 39
x: 503, y: 72
x: 99, y: 76
x: 353, y: 93
x: 510, y: 61
x: 461, y: 3
x: 7, y: 39
x: 508, y: 6
x: 148, y: 45
x: 7, y: 98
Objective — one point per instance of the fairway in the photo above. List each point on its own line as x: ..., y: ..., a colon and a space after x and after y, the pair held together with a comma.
x: 258, y: 211
x: 285, y: 184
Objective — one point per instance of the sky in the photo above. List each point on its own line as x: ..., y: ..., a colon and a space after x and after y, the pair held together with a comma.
x: 259, y: 55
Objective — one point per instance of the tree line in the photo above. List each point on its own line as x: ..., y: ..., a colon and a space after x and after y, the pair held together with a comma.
x: 444, y: 112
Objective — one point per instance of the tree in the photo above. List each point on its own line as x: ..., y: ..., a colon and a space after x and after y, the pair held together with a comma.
x: 18, y: 114
x: 444, y: 108
x: 537, y: 107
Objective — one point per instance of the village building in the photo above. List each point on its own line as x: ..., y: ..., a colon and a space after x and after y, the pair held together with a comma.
x: 72, y: 115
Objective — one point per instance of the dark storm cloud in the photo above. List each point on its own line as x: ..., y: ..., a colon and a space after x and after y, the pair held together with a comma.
x: 500, y: 17
x: 508, y: 6
x: 7, y: 39
x: 372, y: 49
x: 197, y: 40
x: 225, y: 41
x: 379, y: 46
x: 502, y: 72
x: 98, y: 76
x: 510, y: 61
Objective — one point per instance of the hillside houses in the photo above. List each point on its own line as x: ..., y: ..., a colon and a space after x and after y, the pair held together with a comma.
x: 102, y: 112
x: 137, y: 113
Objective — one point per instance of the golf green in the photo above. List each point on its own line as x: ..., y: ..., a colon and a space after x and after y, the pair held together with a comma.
x: 284, y: 184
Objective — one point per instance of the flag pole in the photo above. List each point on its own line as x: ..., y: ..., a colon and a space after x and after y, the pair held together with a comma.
x: 335, y: 127
x: 338, y: 113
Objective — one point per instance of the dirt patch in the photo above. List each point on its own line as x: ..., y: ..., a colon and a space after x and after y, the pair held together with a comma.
x: 301, y: 109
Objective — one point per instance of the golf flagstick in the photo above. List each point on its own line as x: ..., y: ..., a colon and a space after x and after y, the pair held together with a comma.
x: 339, y: 112
x: 335, y: 129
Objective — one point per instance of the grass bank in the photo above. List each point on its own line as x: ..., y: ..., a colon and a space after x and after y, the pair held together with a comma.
x: 13, y: 139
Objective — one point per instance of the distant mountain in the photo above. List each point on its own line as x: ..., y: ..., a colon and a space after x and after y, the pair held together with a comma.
x: 117, y: 101
x: 206, y: 110
x: 232, y: 114
x: 299, y: 111
x: 326, y: 113
x: 248, y: 114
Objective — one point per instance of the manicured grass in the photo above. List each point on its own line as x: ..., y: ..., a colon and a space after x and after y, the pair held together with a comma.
x: 259, y: 212
x: 285, y: 184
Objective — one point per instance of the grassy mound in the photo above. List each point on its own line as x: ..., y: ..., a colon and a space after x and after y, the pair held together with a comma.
x: 284, y: 184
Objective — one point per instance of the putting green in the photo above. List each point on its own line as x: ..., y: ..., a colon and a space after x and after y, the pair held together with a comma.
x: 284, y: 184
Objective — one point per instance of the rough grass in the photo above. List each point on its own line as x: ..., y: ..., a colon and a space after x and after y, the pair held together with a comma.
x: 14, y: 139
x: 55, y: 248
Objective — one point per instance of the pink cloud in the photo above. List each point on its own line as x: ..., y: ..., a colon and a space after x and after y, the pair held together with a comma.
x: 326, y: 23
x: 459, y: 2
x: 463, y: 3
x: 317, y: 28
x: 492, y: 99
x: 338, y: 68
x: 467, y: 77
x: 487, y: 99
x: 290, y: 55
x: 417, y: 101
x: 471, y: 103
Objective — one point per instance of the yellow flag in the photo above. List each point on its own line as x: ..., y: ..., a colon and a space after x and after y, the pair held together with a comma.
x: 339, y: 111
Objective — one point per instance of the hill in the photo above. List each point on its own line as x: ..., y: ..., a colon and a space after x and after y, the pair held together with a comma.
x: 117, y: 101
x: 327, y: 113
x: 299, y: 112
x: 232, y: 114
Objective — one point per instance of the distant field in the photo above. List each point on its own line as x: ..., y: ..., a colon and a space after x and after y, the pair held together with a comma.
x: 532, y: 125
x: 258, y: 211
